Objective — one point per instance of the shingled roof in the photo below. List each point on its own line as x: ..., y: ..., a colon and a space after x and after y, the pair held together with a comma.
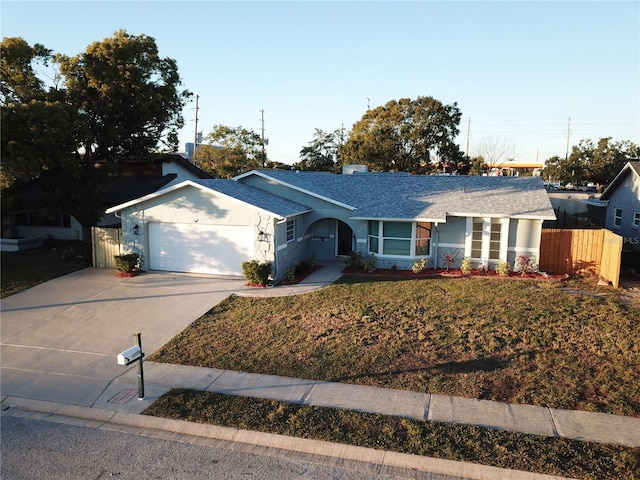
x: 429, y: 198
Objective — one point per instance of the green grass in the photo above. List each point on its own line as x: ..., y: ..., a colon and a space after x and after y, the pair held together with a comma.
x: 518, y: 341
x: 454, y: 442
x: 25, y: 269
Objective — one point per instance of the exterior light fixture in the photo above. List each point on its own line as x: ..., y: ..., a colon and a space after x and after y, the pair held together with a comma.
x: 262, y: 237
x: 136, y: 229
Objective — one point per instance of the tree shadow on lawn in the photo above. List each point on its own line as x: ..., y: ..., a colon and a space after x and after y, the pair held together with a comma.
x: 489, y: 364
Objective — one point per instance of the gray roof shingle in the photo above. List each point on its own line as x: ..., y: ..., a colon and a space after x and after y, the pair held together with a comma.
x: 404, y: 196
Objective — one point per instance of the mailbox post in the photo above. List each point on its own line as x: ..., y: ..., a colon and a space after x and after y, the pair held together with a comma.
x: 140, y: 371
x: 131, y: 355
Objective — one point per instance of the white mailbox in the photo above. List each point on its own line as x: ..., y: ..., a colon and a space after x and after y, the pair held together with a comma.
x: 130, y: 355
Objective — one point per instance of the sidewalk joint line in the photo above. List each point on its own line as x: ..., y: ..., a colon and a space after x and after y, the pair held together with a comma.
x: 553, y: 423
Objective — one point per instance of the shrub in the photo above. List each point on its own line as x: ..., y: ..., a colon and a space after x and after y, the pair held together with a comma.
x: 371, y: 264
x: 290, y: 274
x: 128, y: 262
x: 449, y: 258
x: 420, y: 265
x: 302, y: 267
x: 466, y: 267
x: 502, y: 269
x: 525, y: 264
x: 255, y: 272
x: 355, y: 260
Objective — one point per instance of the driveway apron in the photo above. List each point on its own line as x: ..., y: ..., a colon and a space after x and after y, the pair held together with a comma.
x: 59, y: 340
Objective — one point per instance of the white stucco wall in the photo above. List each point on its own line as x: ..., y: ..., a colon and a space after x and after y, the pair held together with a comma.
x: 192, y: 205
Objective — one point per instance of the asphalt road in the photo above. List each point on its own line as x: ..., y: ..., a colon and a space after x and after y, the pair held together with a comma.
x: 39, y: 449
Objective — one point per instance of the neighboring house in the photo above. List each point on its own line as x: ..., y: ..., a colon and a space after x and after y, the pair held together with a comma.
x: 212, y: 226
x: 621, y: 200
x: 129, y: 180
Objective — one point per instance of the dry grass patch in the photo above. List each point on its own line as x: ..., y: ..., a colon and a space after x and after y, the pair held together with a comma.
x: 519, y: 341
x: 454, y: 442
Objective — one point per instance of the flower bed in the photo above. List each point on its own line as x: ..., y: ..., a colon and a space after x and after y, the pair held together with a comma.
x: 453, y: 272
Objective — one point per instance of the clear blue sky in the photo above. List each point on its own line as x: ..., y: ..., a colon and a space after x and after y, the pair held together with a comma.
x: 517, y: 70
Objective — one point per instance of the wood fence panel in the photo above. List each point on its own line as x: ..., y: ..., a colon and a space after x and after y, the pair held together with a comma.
x: 574, y: 252
x: 611, y: 258
x: 105, y: 243
x: 581, y: 252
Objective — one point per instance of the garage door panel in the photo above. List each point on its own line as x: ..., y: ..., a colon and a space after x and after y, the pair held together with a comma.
x: 195, y: 248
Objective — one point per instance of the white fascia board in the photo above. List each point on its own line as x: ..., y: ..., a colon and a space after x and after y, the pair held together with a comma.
x: 614, y: 183
x: 493, y: 215
x: 404, y: 219
x: 595, y: 202
x: 293, y: 187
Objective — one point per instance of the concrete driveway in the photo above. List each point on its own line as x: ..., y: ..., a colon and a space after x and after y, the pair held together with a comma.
x: 59, y: 340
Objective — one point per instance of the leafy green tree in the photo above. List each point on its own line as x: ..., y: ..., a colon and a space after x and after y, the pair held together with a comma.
x: 407, y: 135
x: 230, y: 151
x: 19, y: 83
x: 588, y: 162
x: 323, y: 152
x: 39, y: 138
x: 477, y: 166
x: 128, y: 96
x: 118, y: 99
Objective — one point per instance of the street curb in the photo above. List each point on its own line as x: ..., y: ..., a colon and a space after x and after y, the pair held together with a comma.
x: 386, y: 461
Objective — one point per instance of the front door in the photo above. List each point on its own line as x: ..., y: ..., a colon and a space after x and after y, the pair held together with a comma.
x: 345, y: 238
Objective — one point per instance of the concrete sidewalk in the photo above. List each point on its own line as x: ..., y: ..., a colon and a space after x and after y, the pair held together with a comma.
x: 122, y: 395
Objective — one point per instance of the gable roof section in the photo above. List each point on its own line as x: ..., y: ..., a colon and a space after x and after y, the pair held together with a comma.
x: 272, y: 204
x: 317, y: 184
x: 632, y: 168
x: 278, y: 206
x: 400, y: 196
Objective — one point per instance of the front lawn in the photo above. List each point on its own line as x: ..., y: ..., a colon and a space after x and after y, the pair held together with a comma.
x: 520, y: 341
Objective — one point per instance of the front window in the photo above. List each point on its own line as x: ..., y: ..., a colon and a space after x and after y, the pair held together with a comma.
x: 476, y: 238
x: 494, y: 239
x: 40, y: 218
x: 396, y: 238
x: 423, y: 238
x: 291, y: 230
x: 486, y: 239
x: 374, y: 236
x: 636, y: 219
x: 617, y: 217
x: 407, y: 239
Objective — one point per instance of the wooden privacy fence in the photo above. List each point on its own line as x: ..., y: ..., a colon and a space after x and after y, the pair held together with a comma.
x: 105, y: 243
x: 581, y: 252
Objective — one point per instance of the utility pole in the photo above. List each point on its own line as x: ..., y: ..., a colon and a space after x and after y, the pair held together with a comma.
x: 195, y: 136
x: 265, y: 141
x: 468, y: 132
x: 262, y: 128
x: 568, y: 133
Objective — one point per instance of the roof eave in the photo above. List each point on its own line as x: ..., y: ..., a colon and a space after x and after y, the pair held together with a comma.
x: 502, y: 215
x: 402, y: 219
x: 628, y: 167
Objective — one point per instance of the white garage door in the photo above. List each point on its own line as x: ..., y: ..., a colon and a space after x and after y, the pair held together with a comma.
x: 214, y: 249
